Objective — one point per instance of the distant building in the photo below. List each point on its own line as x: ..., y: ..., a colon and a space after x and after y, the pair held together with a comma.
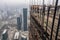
x: 16, y: 36
x: 19, y: 22
x: 25, y: 19
x: 23, y: 37
x: 5, y: 35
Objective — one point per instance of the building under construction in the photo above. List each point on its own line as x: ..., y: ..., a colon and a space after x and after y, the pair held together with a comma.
x: 44, y: 22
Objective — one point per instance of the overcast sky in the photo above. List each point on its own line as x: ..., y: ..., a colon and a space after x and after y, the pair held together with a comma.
x: 13, y: 2
x: 20, y: 2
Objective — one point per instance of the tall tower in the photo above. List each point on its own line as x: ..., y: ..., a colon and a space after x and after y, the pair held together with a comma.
x: 25, y: 18
x: 19, y: 22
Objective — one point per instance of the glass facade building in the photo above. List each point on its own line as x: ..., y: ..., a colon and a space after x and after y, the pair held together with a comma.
x: 23, y: 38
x: 19, y: 23
x: 25, y: 19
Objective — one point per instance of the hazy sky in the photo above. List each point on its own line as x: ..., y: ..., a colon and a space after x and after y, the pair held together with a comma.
x: 18, y: 2
x: 14, y: 2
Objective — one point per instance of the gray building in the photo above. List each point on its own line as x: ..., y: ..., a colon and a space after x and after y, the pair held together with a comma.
x: 19, y: 22
x: 23, y: 38
x: 25, y: 19
x: 5, y: 35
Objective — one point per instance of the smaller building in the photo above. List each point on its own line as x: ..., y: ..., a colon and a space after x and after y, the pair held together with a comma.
x: 16, y: 36
x: 5, y: 35
x: 23, y: 37
x: 19, y: 23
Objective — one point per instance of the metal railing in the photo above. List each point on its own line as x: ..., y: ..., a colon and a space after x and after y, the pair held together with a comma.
x: 53, y: 16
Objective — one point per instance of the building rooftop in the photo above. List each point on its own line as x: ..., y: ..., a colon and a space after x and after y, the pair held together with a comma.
x: 16, y: 36
x: 5, y: 30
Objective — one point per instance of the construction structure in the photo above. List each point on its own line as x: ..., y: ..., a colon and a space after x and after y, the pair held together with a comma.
x: 44, y: 22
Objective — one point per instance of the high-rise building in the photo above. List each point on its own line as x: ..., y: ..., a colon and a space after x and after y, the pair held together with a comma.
x: 25, y: 19
x: 19, y: 22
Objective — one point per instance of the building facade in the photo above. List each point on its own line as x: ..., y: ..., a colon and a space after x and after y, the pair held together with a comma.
x: 25, y: 18
x: 19, y: 22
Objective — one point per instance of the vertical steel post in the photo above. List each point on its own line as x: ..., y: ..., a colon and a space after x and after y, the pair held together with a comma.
x: 40, y: 14
x: 43, y: 12
x: 47, y: 17
x: 34, y: 6
x: 57, y: 28
x: 53, y: 19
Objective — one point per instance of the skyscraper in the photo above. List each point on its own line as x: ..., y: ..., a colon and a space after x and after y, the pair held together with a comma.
x: 19, y: 22
x: 25, y: 18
